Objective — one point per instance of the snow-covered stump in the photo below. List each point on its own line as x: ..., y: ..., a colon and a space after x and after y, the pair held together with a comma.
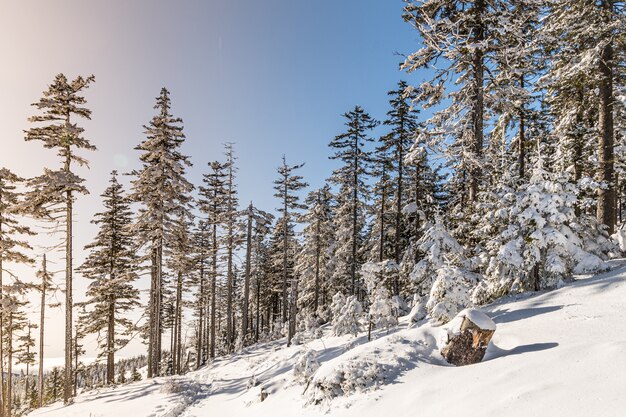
x: 469, y: 334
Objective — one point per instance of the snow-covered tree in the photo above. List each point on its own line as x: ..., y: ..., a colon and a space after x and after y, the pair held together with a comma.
x: 12, y: 243
x: 287, y: 187
x: 441, y: 279
x: 258, y: 223
x: 457, y: 41
x: 213, y: 205
x: 57, y: 127
x: 232, y: 239
x: 315, y: 259
x: 537, y: 247
x: 112, y: 265
x: 403, y: 123
x: 353, y: 193
x: 376, y: 276
x: 346, y: 319
x: 160, y: 187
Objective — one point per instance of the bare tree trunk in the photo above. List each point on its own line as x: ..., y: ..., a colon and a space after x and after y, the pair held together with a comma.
x: 158, y: 310
x: 213, y: 290
x: 151, y: 310
x: 478, y: 69
x: 201, y: 304
x: 606, y: 197
x: 521, y: 145
x: 68, y: 386
x: 246, y: 285
x: 285, y: 250
x: 111, y: 341
x: 177, y: 323
x: 2, y: 393
x: 355, y: 202
x: 318, y: 253
x: 42, y: 316
x: 293, y: 310
x: 399, y: 199
x: 9, y: 397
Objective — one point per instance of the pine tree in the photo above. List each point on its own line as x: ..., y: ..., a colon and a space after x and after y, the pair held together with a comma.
x: 315, y: 258
x: 353, y: 192
x: 457, y: 33
x: 287, y: 186
x: 60, y: 104
x: 258, y: 222
x: 581, y: 37
x: 160, y: 186
x: 213, y: 204
x: 25, y: 354
x: 12, y: 246
x: 231, y: 239
x: 112, y: 266
x: 402, y: 120
x: 44, y: 287
x: 15, y: 323
x: 181, y: 263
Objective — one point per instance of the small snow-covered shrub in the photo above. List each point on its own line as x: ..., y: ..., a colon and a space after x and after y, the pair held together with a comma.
x: 382, y: 312
x: 418, y: 311
x: 305, y: 366
x: 348, y: 378
x: 450, y: 293
x: 347, y: 321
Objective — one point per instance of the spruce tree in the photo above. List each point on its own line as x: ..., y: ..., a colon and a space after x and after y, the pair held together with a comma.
x: 112, y: 265
x: 457, y: 34
x: 213, y: 204
x: 12, y: 245
x: 403, y: 122
x: 231, y: 239
x: 57, y: 128
x: 160, y: 186
x: 353, y: 193
x: 258, y: 222
x: 287, y: 186
x: 315, y: 258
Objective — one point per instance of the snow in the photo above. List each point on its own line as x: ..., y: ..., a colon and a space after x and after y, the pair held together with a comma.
x: 477, y: 317
x: 557, y: 353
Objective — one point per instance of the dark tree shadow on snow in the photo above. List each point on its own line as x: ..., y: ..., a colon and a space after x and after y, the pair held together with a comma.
x: 508, y: 316
x: 494, y: 352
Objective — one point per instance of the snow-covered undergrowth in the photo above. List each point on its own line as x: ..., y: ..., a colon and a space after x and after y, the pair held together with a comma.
x: 558, y: 353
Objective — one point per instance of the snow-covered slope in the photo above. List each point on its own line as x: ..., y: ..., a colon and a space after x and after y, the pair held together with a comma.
x: 560, y: 353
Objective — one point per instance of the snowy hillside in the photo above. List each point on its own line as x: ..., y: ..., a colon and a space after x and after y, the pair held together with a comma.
x: 560, y: 353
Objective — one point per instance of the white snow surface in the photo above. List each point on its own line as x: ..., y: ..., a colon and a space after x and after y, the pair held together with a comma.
x: 477, y: 317
x: 558, y: 353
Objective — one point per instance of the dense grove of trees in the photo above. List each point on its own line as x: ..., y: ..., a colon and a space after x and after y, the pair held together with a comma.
x: 498, y: 169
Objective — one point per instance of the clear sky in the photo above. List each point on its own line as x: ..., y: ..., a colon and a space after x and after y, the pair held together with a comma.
x: 273, y: 76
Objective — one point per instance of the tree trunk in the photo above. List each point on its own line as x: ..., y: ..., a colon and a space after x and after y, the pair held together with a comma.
x: 318, y: 253
x: 42, y: 316
x: 606, y: 197
x: 9, y: 397
x: 111, y: 341
x: 355, y: 202
x: 246, y: 285
x: 213, y: 290
x: 399, y: 199
x: 2, y: 394
x: 285, y: 250
x: 68, y: 386
x: 521, y: 145
x: 478, y: 69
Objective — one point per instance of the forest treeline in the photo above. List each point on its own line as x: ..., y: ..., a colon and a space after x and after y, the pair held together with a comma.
x: 497, y: 169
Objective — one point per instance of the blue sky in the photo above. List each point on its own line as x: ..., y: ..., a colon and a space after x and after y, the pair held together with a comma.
x: 273, y: 76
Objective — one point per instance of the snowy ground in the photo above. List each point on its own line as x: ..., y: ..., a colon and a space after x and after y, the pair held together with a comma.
x: 561, y: 353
